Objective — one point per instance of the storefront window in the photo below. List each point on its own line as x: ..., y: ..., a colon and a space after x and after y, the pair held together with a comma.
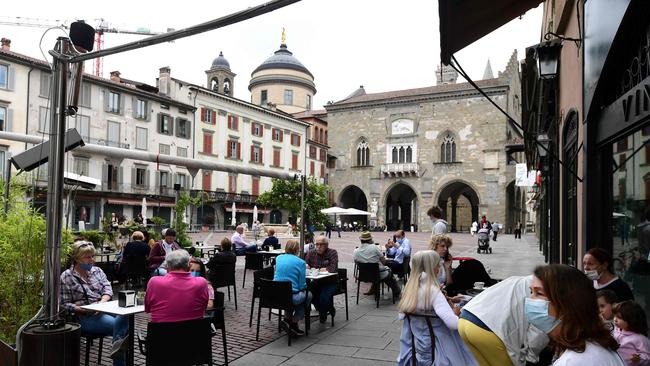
x: 85, y: 211
x: 630, y: 218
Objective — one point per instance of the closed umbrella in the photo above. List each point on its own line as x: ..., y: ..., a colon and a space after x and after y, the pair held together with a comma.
x: 254, y: 213
x: 144, y: 211
x: 233, y: 221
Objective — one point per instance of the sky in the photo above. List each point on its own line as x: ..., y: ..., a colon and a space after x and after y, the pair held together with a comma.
x: 381, y: 44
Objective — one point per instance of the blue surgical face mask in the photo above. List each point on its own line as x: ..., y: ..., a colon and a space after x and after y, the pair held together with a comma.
x: 86, y: 266
x: 537, y: 314
x: 400, y: 241
x: 196, y: 274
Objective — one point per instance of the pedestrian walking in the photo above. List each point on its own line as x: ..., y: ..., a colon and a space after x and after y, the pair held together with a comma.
x: 438, y: 225
x: 338, y: 227
x: 328, y: 230
x: 495, y: 230
x: 518, y: 230
x: 474, y: 228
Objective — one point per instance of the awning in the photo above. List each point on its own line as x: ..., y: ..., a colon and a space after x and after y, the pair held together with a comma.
x: 127, y: 202
x: 462, y: 22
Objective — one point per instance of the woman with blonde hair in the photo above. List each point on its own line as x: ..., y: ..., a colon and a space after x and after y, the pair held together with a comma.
x: 422, y: 294
x: 290, y: 267
x: 441, y: 244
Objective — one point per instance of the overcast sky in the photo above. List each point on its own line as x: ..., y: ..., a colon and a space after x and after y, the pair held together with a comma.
x: 381, y: 44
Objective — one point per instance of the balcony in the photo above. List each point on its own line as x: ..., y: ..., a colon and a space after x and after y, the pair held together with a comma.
x: 400, y: 170
x: 105, y: 142
x: 221, y: 196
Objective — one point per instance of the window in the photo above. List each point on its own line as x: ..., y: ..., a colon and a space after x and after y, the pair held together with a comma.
x: 255, y: 187
x: 294, y: 161
x: 234, y: 150
x: 363, y: 153
x: 233, y: 122
x: 164, y: 179
x: 4, y: 76
x: 183, y: 128
x: 276, y: 157
x: 141, y: 177
x: 208, y: 116
x: 164, y: 149
x: 181, y: 179
x: 207, y: 143
x: 621, y: 162
x: 325, y: 138
x: 312, y: 152
x: 46, y: 80
x: 323, y: 155
x: 165, y: 124
x: 401, y: 154
x: 3, y: 120
x: 311, y: 168
x: 113, y: 104
x: 394, y: 159
x: 295, y: 139
x: 83, y: 126
x: 181, y: 152
x: 321, y: 139
x: 81, y: 166
x: 141, y: 138
x: 264, y: 97
x: 257, y: 154
x: 140, y: 109
x: 277, y: 134
x: 257, y: 129
x: 409, y: 154
x: 112, y: 179
x: 232, y: 183
x: 288, y: 96
x: 308, y: 104
x: 43, y: 119
x: 114, y: 134
x: 207, y: 180
x: 448, y: 150
x: 322, y: 170
x: 84, y: 100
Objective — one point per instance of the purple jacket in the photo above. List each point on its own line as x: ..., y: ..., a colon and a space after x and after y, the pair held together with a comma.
x: 157, y: 254
x: 630, y: 344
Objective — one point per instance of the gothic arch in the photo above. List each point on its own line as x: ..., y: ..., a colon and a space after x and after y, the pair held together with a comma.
x: 401, y: 206
x: 459, y: 202
x: 448, y: 147
x: 353, y: 197
x: 361, y: 152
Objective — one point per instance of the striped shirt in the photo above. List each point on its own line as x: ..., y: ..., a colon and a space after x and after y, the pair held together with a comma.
x: 329, y: 260
x: 75, y: 290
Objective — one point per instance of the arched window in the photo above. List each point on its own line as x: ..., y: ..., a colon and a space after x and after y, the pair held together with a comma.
x: 448, y: 149
x: 363, y: 153
x: 215, y: 84
x: 401, y: 154
x: 394, y: 160
x: 409, y: 155
x: 321, y: 140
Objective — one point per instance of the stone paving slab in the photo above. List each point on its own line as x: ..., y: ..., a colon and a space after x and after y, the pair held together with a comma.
x: 313, y: 359
x: 328, y: 349
x: 354, y: 341
x: 377, y: 354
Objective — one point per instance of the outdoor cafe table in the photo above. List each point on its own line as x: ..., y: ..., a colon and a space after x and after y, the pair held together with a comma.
x: 111, y: 307
x: 108, y: 255
x: 201, y: 248
x: 311, y: 280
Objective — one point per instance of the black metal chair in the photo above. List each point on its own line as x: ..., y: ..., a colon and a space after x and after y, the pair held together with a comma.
x: 267, y: 274
x: 342, y: 289
x: 369, y: 272
x: 427, y: 317
x: 219, y: 321
x: 136, y: 271
x: 194, y: 337
x: 254, y: 261
x: 276, y: 295
x: 223, y: 275
x: 90, y: 337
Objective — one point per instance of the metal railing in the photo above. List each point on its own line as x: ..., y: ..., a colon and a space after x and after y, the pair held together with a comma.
x: 400, y: 169
x: 220, y: 196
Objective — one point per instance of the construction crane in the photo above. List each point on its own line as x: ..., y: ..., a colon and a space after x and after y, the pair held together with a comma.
x: 101, y: 27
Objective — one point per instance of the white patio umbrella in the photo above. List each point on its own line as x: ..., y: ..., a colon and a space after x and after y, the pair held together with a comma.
x: 233, y: 221
x: 354, y: 211
x: 334, y: 210
x: 143, y: 212
x: 254, y: 213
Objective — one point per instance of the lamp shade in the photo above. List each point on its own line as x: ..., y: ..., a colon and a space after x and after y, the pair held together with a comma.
x: 548, y: 58
x: 543, y: 143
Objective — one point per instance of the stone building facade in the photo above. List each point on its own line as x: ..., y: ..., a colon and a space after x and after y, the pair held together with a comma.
x: 400, y: 152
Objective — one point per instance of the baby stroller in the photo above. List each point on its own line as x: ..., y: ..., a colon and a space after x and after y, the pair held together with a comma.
x: 484, y: 241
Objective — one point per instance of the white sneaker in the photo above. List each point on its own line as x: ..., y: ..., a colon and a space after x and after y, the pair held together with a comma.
x: 118, y: 346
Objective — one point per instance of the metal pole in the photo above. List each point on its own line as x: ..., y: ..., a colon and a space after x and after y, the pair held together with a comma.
x: 302, y: 213
x: 7, y: 186
x: 55, y: 184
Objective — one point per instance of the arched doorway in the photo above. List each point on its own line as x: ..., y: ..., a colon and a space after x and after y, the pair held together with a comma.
x: 276, y: 217
x: 353, y: 197
x: 205, y: 215
x: 401, y: 207
x: 459, y: 205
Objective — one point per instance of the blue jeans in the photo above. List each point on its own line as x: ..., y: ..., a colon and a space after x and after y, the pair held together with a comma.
x: 247, y: 249
x: 323, y: 301
x: 110, y: 325
x: 299, y: 299
x: 158, y: 272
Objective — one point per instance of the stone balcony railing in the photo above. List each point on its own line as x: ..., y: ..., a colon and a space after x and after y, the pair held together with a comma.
x: 400, y: 170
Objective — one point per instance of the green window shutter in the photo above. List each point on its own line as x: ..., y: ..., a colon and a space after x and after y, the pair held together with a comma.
x: 105, y: 94
x: 9, y: 126
x: 104, y: 177
x: 11, y: 78
x: 134, y: 107
x: 146, y: 178
x: 133, y: 177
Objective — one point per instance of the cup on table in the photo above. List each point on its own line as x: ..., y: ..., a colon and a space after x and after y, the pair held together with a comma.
x: 313, y: 271
x: 479, y: 285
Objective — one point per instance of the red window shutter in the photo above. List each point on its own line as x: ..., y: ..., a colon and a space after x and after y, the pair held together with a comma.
x: 214, y: 117
x: 281, y: 135
x: 252, y: 153
x: 229, y: 121
x: 311, y: 168
x: 276, y: 157
x: 322, y: 171
x: 207, y: 178
x: 256, y: 187
x: 228, y: 150
x: 238, y: 150
x: 261, y: 155
x: 294, y: 161
x: 235, y: 123
x: 252, y: 128
x: 202, y: 114
x: 232, y: 186
x: 207, y: 143
x: 261, y: 130
x: 298, y: 140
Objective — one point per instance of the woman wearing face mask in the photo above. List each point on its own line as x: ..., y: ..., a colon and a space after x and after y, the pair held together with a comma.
x: 563, y: 305
x: 597, y: 266
x: 197, y: 269
x: 84, y: 284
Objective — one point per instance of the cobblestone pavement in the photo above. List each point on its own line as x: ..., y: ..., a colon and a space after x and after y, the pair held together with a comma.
x: 370, y: 337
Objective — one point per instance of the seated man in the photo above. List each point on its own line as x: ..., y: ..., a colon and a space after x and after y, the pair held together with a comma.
x: 177, y: 296
x: 368, y: 252
x: 271, y: 242
x: 241, y: 246
x: 398, y: 250
x: 326, y: 260
x: 225, y: 256
x: 160, y: 250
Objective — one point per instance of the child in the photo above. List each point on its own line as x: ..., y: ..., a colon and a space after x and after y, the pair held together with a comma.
x: 606, y: 300
x: 631, y: 333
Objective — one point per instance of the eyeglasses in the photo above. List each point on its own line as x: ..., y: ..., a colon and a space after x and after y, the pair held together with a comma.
x: 320, y: 244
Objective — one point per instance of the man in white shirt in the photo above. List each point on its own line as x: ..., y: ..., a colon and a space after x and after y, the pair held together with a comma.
x: 368, y: 252
x: 398, y: 249
x: 438, y: 225
x: 241, y: 246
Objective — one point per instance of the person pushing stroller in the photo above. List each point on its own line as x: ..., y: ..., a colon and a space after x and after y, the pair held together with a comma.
x: 483, y: 236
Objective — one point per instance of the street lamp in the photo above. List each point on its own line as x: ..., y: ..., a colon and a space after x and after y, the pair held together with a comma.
x: 548, y: 58
x: 543, y: 143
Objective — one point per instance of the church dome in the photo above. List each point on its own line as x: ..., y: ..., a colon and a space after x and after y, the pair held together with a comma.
x: 220, y: 62
x: 282, y: 59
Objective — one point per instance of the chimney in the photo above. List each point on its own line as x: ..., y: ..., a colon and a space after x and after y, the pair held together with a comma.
x: 115, y: 76
x: 164, y: 80
x: 6, y: 44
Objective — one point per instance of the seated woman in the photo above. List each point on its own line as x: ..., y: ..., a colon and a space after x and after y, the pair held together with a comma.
x: 271, y: 242
x: 423, y: 294
x: 597, y: 264
x: 197, y: 269
x: 441, y: 244
x: 84, y: 284
x: 289, y: 267
x: 563, y: 305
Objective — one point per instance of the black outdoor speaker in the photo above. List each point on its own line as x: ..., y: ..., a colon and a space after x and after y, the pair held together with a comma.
x: 82, y: 35
x: 177, y: 186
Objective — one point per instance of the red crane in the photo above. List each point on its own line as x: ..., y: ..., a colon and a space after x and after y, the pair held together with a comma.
x: 101, y: 27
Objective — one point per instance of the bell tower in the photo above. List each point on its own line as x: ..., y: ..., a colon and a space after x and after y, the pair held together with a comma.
x: 220, y: 78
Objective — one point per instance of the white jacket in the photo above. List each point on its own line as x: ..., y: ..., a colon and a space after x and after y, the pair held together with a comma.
x: 508, y: 321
